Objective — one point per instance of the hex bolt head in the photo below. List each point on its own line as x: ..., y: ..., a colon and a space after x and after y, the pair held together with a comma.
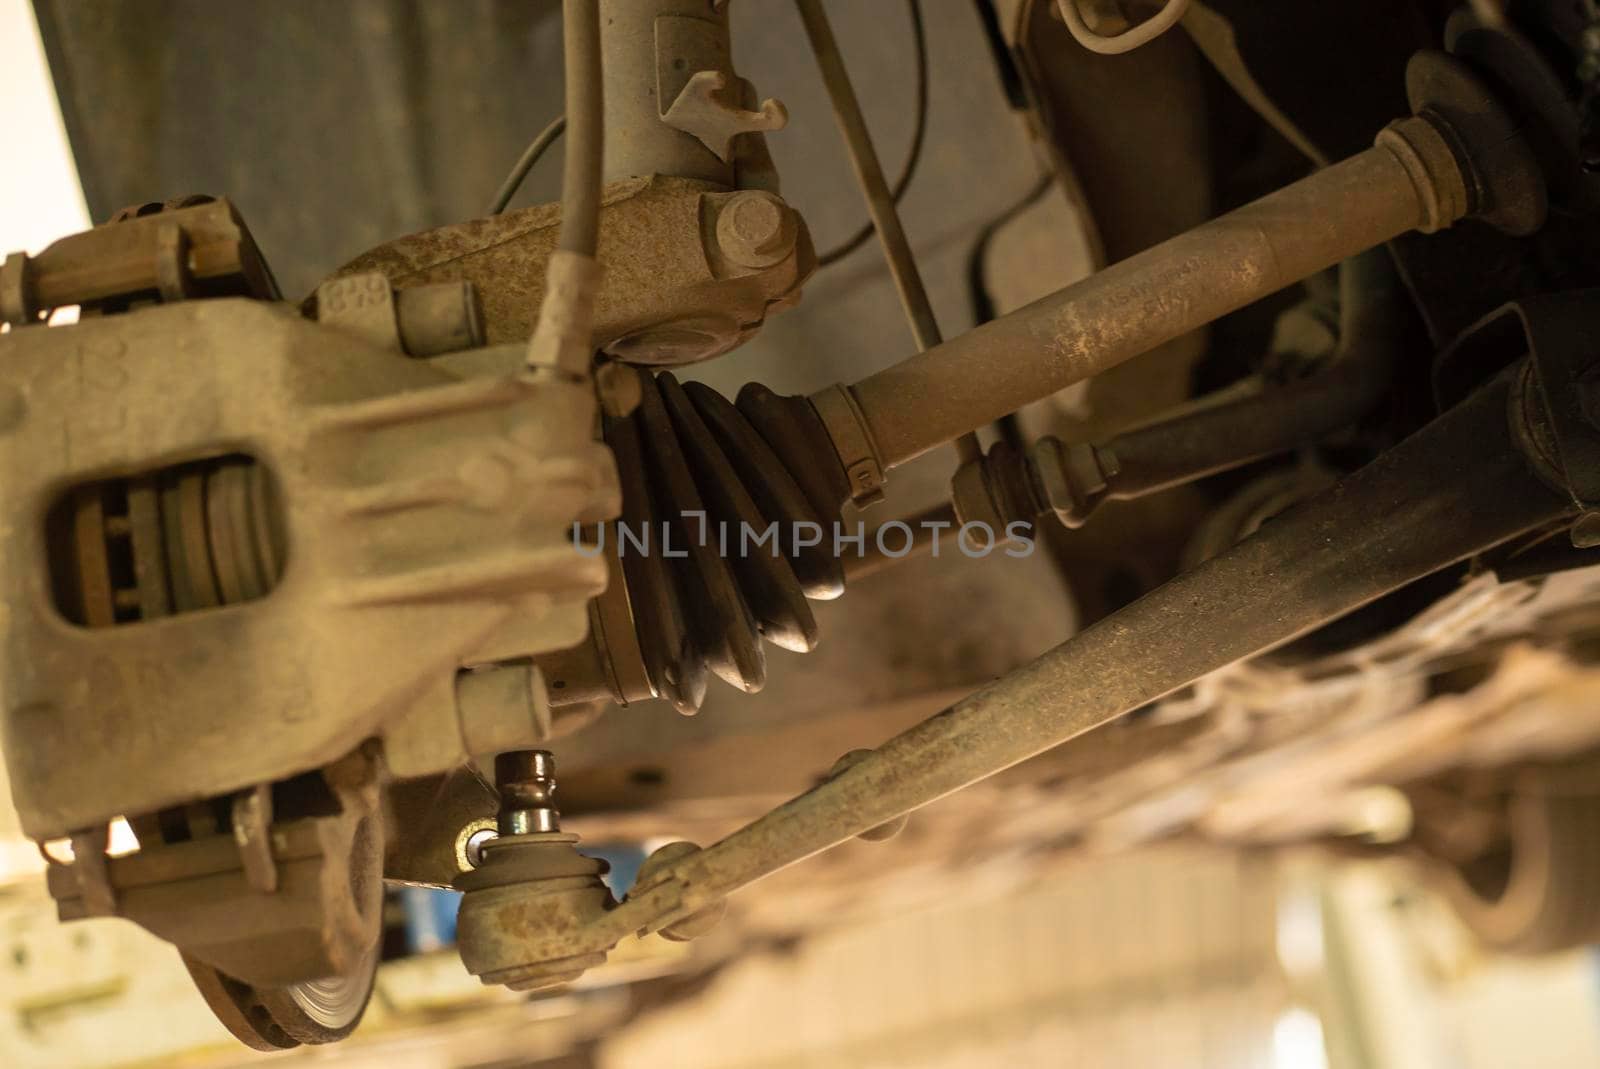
x: 755, y: 229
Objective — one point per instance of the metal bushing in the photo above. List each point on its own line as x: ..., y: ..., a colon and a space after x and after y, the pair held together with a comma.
x: 440, y: 318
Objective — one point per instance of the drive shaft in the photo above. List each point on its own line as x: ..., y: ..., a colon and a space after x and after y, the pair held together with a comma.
x: 1446, y: 163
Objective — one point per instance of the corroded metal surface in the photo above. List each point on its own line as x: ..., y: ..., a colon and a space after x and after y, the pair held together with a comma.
x: 199, y: 247
x: 1163, y: 293
x: 206, y: 703
x: 1292, y: 576
x: 668, y: 294
x: 427, y: 517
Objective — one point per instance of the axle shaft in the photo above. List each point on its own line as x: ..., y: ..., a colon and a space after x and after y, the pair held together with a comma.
x: 1423, y: 173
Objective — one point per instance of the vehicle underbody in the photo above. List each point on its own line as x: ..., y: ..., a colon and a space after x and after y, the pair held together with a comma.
x: 1257, y: 492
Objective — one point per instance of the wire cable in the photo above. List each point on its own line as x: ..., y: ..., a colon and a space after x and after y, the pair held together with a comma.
x: 530, y: 156
x: 982, y: 304
x: 584, y: 164
x: 1117, y: 44
x: 562, y: 341
x: 919, y: 131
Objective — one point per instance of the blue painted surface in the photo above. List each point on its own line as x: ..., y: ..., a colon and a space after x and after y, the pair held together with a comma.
x: 430, y: 918
x: 624, y: 859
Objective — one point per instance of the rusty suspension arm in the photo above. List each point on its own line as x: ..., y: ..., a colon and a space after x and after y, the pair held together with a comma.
x: 1423, y: 173
x: 1459, y: 486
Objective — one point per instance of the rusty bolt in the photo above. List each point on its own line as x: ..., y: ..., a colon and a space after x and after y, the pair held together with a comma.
x: 696, y: 924
x: 755, y: 229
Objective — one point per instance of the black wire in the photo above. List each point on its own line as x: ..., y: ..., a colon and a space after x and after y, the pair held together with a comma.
x: 530, y: 156
x: 977, y: 284
x: 919, y: 39
x: 1005, y: 64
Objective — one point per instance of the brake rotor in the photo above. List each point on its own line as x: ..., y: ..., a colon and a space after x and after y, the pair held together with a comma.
x: 271, y: 1017
x: 279, y: 1018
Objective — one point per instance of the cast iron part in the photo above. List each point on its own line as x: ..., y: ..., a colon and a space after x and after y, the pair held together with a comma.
x: 194, y: 246
x: 315, y: 462
x: 275, y: 906
x: 282, y: 1018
